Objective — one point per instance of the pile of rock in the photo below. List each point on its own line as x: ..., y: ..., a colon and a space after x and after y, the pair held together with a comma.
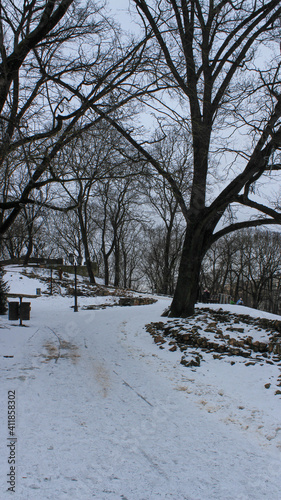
x: 235, y: 341
x: 123, y: 301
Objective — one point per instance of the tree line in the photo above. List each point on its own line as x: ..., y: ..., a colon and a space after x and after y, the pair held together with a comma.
x: 70, y: 76
x: 246, y: 264
x: 132, y: 228
x: 115, y: 213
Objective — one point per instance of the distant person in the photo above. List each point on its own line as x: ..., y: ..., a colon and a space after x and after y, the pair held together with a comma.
x: 206, y: 296
x: 60, y: 273
x: 240, y: 302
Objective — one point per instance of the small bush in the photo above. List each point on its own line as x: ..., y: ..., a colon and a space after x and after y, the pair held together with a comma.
x: 3, y: 292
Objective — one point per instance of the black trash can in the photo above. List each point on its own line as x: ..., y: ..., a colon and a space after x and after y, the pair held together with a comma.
x: 25, y: 311
x: 13, y: 311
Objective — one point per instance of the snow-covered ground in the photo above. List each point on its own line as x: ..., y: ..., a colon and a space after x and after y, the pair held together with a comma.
x: 102, y: 412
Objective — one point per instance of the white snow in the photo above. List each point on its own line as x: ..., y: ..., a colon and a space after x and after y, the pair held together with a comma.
x: 103, y: 413
x: 18, y: 281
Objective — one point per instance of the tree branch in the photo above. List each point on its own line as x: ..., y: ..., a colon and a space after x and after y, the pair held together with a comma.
x: 242, y: 225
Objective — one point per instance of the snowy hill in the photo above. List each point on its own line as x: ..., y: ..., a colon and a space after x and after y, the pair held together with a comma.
x: 100, y: 408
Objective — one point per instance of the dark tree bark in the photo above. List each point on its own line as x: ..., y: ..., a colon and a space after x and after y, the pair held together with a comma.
x: 29, y: 245
x: 195, y: 245
x: 117, y: 257
x: 203, y: 46
x: 84, y: 235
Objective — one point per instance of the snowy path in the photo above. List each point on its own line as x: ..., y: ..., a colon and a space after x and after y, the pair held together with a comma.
x: 103, y: 413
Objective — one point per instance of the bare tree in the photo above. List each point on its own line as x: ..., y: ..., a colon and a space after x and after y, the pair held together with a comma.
x: 26, y: 236
x: 65, y: 235
x: 13, y: 242
x: 261, y: 265
x: 33, y: 222
x: 172, y: 149
x: 206, y: 54
x: 58, y: 59
x: 131, y: 251
x: 246, y: 264
x: 160, y: 272
x: 79, y: 166
x: 116, y: 216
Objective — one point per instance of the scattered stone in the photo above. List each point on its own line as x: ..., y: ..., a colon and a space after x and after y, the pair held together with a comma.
x: 123, y: 301
x: 174, y: 348
x: 217, y: 356
x: 158, y: 339
x: 193, y: 362
x: 184, y: 335
x: 136, y: 301
x: 267, y: 386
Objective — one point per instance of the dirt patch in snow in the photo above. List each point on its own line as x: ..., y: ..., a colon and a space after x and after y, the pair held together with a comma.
x: 63, y: 350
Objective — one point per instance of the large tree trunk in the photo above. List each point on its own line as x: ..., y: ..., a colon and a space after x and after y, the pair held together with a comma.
x: 89, y: 268
x: 187, y: 288
x: 29, y: 246
x: 85, y: 245
x: 116, y: 262
x: 167, y: 268
x: 106, y: 269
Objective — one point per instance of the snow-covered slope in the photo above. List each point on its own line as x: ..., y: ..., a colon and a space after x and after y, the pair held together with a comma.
x: 102, y: 412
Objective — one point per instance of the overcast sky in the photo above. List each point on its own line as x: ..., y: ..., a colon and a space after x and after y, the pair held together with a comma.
x: 120, y: 11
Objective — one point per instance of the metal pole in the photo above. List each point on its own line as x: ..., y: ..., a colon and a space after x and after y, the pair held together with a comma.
x: 20, y: 311
x: 75, y: 289
x: 51, y: 287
